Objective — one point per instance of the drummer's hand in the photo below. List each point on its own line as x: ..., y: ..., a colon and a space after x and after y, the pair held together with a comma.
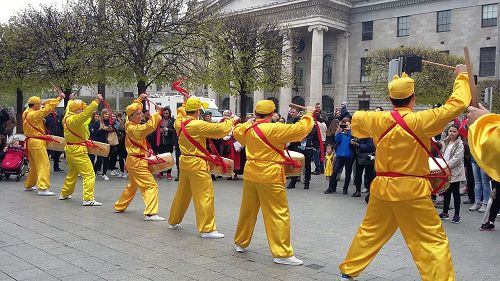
x: 99, y: 97
x: 310, y: 109
x: 348, y: 125
x: 235, y: 119
x: 61, y: 95
x: 72, y: 96
x: 475, y: 113
x: 251, y: 120
x: 460, y: 68
x: 158, y: 108
x: 143, y: 96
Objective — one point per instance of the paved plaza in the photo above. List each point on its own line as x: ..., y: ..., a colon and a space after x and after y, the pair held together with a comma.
x: 42, y: 238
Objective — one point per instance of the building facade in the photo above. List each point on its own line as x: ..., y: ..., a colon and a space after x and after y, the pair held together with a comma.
x: 337, y: 35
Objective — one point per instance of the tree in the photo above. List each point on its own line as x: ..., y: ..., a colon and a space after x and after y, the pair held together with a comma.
x: 156, y: 40
x: 432, y: 85
x: 495, y: 83
x: 246, y: 54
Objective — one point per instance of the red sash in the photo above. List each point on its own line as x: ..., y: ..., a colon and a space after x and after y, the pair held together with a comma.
x: 88, y: 143
x: 288, y: 160
x: 44, y: 137
x: 401, y: 122
x: 318, y: 131
x: 216, y: 159
x: 148, y: 150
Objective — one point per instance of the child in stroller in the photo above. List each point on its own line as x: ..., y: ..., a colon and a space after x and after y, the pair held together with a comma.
x: 14, y: 160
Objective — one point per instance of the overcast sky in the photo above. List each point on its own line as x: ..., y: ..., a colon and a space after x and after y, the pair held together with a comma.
x: 8, y: 8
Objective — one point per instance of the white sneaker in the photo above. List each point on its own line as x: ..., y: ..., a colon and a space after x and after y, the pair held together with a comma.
x: 153, y: 218
x: 475, y: 207
x: 364, y: 190
x: 114, y: 173
x: 482, y: 209
x: 239, y: 249
x: 124, y: 175
x: 117, y: 211
x: 288, y: 261
x: 104, y: 177
x: 30, y: 189
x: 212, y: 235
x: 64, y: 197
x: 91, y: 203
x: 174, y: 226
x: 45, y: 193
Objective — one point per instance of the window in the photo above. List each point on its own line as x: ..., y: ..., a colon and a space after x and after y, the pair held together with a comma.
x: 364, y: 77
x: 249, y: 107
x: 445, y: 52
x: 443, y: 21
x: 367, y: 31
x: 364, y: 105
x: 327, y: 69
x: 128, y: 94
x: 299, y: 72
x: 489, y: 17
x: 327, y: 103
x: 487, y: 62
x: 224, y: 105
x: 403, y: 26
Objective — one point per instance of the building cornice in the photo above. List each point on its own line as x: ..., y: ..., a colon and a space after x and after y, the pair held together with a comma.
x: 388, y: 5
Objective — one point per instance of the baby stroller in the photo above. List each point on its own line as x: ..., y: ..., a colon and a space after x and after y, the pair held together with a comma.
x: 14, y: 163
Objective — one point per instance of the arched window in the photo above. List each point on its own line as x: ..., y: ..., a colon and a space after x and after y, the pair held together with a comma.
x: 276, y: 103
x: 327, y: 103
x: 224, y: 105
x: 327, y: 69
x: 249, y: 107
x: 299, y: 72
x: 299, y: 100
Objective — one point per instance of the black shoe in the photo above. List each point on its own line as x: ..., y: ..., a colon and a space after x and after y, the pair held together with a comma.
x: 356, y: 194
x: 328, y: 191
x: 290, y: 186
x: 306, y: 186
x: 367, y: 198
x: 344, y: 191
x: 316, y: 173
x: 58, y: 170
x: 487, y: 226
x: 176, y: 179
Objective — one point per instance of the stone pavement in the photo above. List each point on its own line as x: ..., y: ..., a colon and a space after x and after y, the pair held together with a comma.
x: 42, y: 238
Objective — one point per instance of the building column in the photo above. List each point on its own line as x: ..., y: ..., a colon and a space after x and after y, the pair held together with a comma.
x: 286, y: 92
x: 316, y: 82
x: 233, y: 104
x: 342, y: 67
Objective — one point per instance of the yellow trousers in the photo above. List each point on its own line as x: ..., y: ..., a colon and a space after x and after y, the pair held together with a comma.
x: 39, y: 173
x: 79, y: 163
x: 421, y: 228
x: 272, y: 198
x: 140, y: 177
x: 196, y: 185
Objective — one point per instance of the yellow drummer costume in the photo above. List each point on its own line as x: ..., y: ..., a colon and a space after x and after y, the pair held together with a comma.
x: 137, y: 165
x: 76, y: 151
x: 484, y: 135
x: 264, y: 179
x: 34, y: 129
x: 404, y: 201
x: 194, y: 180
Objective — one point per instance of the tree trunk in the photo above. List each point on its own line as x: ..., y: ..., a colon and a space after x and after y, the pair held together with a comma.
x: 243, y: 105
x: 19, y: 111
x: 101, y: 89
x: 141, y: 87
x: 67, y: 93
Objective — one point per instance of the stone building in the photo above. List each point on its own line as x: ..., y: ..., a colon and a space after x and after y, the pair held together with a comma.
x: 336, y: 36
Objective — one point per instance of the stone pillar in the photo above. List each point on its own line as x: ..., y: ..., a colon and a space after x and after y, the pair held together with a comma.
x: 286, y: 92
x: 342, y: 68
x: 233, y: 104
x: 316, y: 82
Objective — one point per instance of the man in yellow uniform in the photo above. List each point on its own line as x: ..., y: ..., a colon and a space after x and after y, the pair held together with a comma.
x: 264, y: 179
x: 136, y: 163
x: 34, y: 129
x: 194, y: 180
x: 76, y: 151
x: 400, y: 194
x: 484, y: 140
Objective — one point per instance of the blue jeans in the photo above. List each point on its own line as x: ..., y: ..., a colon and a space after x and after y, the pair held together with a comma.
x: 317, y: 161
x: 482, y: 184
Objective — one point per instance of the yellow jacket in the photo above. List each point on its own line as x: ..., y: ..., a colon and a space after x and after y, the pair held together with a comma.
x: 199, y: 130
x: 138, y: 133
x: 264, y: 164
x: 76, y: 123
x: 329, y: 165
x: 399, y: 152
x: 36, y: 118
x: 484, y: 144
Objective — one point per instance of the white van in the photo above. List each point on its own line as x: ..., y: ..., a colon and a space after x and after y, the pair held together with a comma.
x: 176, y: 101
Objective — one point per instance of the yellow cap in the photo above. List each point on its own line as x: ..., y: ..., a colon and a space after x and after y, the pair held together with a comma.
x: 74, y: 105
x: 400, y: 88
x: 34, y: 100
x: 193, y: 104
x: 133, y: 107
x: 265, y: 107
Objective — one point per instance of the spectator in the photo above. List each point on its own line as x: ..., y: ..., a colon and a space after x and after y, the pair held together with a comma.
x: 101, y: 129
x: 121, y: 151
x: 167, y: 138
x: 453, y: 153
x: 343, y: 112
x: 343, y: 157
x: 318, y: 163
x: 481, y: 188
x: 54, y: 126
x: 489, y: 219
x: 7, y: 122
x: 365, y: 160
x: 3, y: 147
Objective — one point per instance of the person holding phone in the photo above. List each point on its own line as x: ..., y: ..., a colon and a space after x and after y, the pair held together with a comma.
x: 343, y: 157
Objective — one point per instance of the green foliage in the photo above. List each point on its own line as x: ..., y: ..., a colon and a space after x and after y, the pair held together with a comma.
x: 495, y: 83
x: 432, y: 85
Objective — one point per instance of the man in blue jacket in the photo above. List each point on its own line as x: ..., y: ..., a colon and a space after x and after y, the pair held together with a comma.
x: 365, y: 160
x: 343, y: 157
